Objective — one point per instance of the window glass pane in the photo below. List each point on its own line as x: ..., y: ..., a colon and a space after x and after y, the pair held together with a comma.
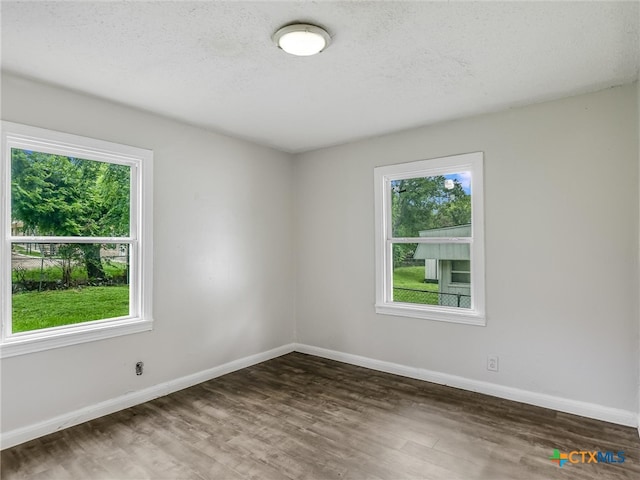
x: 66, y: 196
x: 57, y: 284
x: 422, y: 274
x: 435, y: 206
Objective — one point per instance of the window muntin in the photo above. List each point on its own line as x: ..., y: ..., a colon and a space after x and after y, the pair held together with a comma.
x: 76, y: 229
x: 429, y: 239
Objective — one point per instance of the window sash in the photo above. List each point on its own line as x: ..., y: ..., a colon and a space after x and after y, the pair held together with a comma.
x: 61, y: 239
x: 430, y: 239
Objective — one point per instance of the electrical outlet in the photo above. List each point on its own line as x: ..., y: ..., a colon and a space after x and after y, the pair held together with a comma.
x: 492, y: 363
x: 139, y: 367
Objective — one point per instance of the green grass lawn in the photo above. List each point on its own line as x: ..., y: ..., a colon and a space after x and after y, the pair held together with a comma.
x: 36, y: 310
x: 413, y: 278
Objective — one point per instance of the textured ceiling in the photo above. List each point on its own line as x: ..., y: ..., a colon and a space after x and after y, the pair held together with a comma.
x: 391, y: 65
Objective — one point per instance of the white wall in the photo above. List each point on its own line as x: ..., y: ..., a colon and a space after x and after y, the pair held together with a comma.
x: 562, y: 205
x: 223, y: 277
x: 638, y: 117
x: 561, y: 200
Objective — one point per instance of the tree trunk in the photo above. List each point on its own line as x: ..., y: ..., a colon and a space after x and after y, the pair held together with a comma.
x: 67, y: 267
x: 92, y: 261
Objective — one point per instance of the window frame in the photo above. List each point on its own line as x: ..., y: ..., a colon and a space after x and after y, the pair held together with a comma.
x: 384, y: 240
x: 140, y: 239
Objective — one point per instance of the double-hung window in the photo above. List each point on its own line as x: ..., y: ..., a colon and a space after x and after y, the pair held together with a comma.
x: 430, y: 239
x: 76, y: 229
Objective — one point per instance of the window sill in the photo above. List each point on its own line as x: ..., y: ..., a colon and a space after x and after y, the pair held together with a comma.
x: 38, y: 341
x: 439, y: 314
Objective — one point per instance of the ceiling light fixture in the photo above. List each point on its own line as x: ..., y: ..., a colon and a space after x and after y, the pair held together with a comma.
x: 302, y: 39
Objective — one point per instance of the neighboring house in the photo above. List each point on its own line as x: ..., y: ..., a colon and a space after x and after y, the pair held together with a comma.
x: 448, y: 265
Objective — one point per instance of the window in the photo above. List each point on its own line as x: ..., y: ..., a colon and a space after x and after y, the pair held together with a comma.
x: 77, y: 248
x: 430, y: 239
x: 460, y: 271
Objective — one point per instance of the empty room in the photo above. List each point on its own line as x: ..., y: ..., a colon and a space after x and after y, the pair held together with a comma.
x: 320, y: 240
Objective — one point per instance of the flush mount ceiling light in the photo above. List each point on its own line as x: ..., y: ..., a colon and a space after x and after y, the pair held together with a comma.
x: 302, y: 39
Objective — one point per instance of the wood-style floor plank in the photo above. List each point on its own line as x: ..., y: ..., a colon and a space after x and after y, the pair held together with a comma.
x: 303, y: 417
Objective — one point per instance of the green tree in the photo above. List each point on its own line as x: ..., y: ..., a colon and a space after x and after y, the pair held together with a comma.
x: 65, y: 196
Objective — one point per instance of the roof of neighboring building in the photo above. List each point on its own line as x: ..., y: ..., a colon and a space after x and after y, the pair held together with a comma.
x: 445, y: 251
x: 455, y: 231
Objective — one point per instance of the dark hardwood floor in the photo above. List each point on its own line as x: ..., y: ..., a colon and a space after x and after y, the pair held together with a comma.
x: 303, y: 417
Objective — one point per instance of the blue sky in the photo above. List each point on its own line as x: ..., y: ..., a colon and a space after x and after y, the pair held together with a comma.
x: 464, y: 178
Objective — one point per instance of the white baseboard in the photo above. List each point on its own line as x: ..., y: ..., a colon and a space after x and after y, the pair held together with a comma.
x: 30, y: 432
x: 590, y: 410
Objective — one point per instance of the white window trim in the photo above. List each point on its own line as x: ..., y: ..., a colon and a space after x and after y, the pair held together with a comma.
x: 383, y: 176
x: 140, y: 237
